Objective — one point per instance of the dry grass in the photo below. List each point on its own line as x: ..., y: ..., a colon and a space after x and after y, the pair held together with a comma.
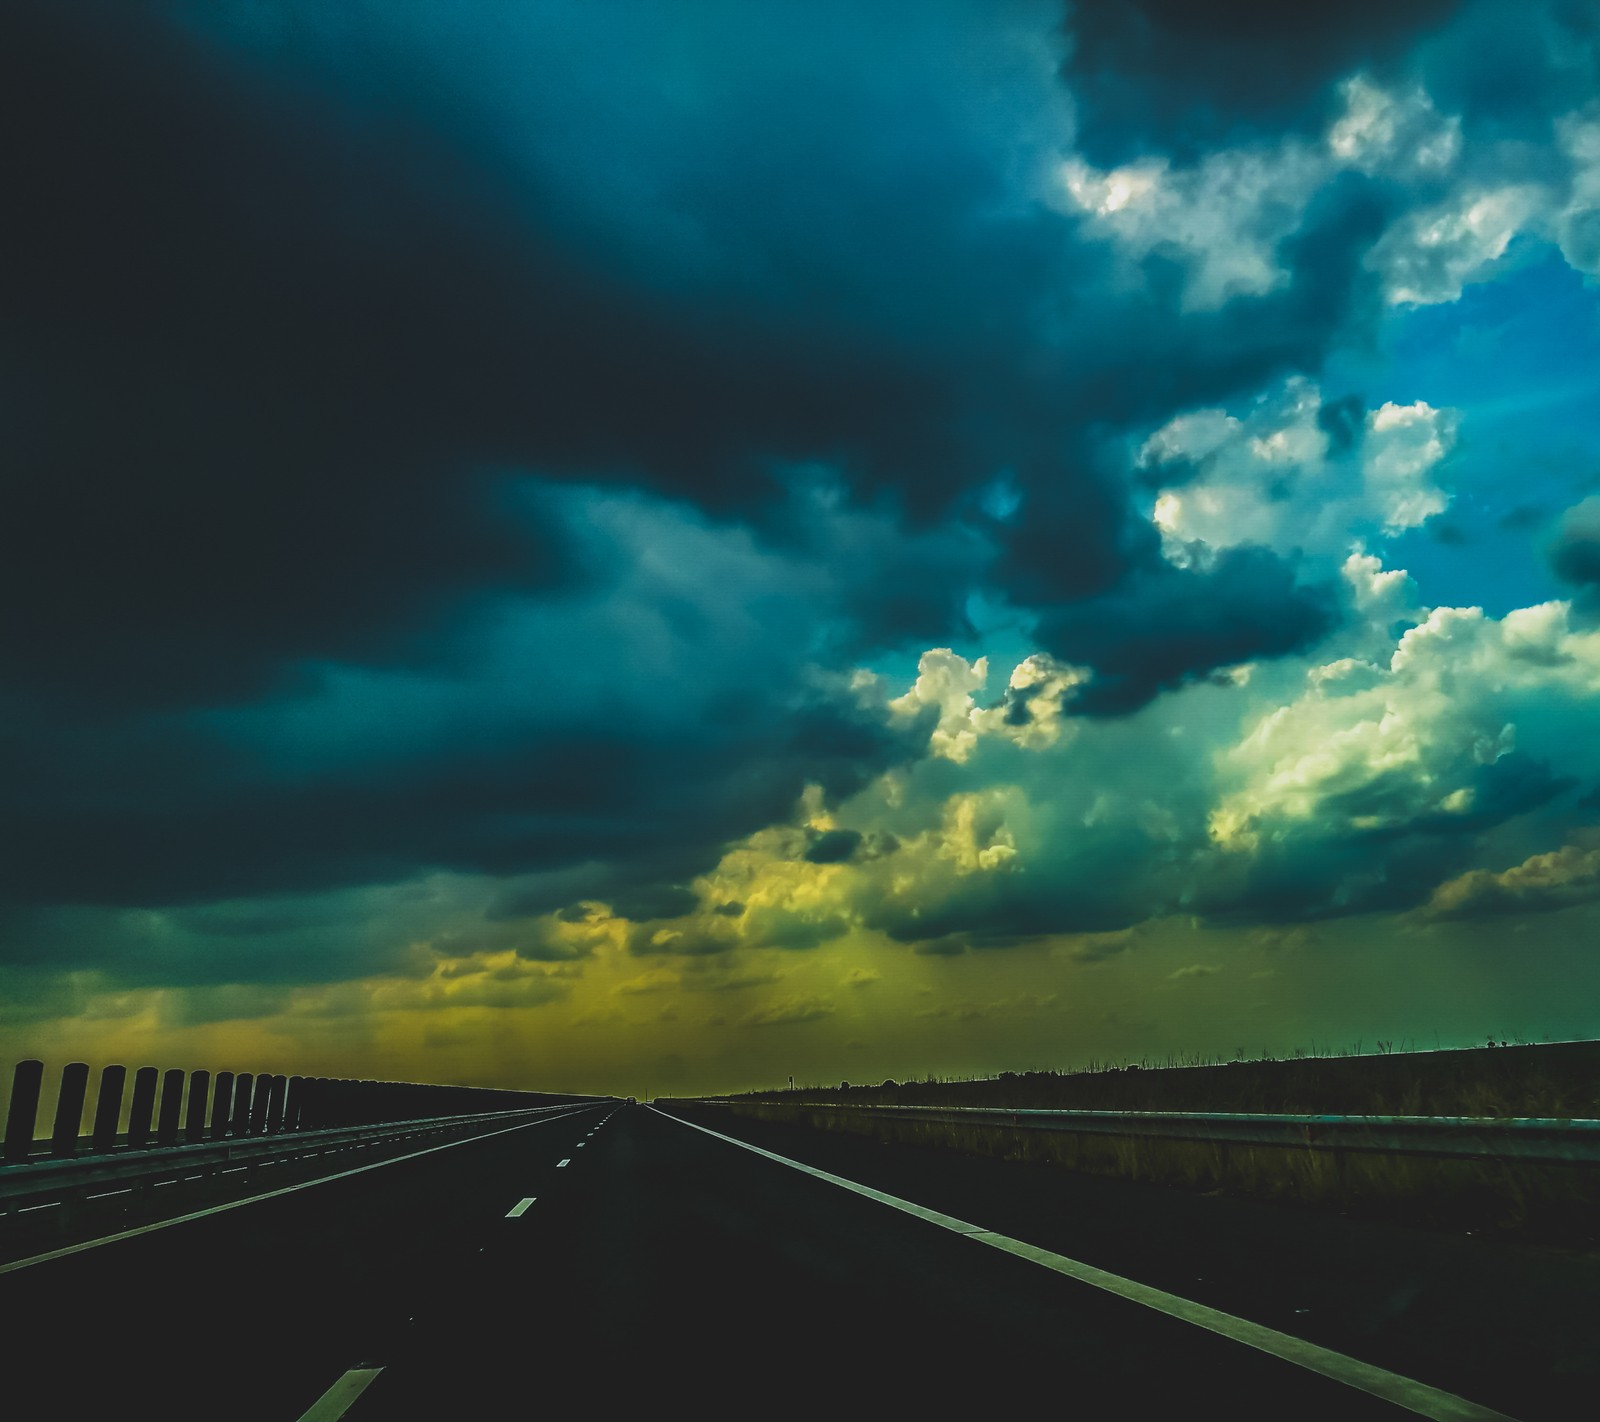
x: 1547, y: 1204
x: 1559, y: 1079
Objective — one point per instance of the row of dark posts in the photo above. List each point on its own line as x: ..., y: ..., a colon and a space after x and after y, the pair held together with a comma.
x: 241, y: 1104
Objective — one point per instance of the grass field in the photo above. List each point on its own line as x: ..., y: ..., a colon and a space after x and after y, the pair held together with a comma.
x: 1549, y: 1204
x: 1560, y: 1079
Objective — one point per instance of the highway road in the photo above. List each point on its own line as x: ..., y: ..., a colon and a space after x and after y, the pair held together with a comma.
x: 616, y: 1257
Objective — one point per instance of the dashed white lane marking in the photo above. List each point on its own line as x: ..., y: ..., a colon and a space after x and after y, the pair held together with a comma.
x: 520, y: 1208
x: 336, y: 1401
x: 560, y: 1163
x: 267, y: 1195
x: 1425, y: 1401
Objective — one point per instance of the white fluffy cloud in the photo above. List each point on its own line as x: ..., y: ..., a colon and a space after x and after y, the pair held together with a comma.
x: 1368, y: 746
x: 1273, y: 476
x: 1430, y: 254
x: 1225, y: 216
x: 1031, y: 713
x: 1578, y: 223
x: 1385, y: 130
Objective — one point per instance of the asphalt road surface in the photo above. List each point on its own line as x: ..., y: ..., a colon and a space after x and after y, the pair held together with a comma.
x: 616, y: 1258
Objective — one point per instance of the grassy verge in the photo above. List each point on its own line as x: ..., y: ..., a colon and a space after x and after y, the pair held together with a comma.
x: 1539, y: 1204
x: 1560, y: 1079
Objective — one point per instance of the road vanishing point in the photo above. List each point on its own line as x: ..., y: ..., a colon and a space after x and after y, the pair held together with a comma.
x: 615, y: 1258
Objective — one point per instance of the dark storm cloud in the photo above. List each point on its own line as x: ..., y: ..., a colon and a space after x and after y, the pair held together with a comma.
x: 1077, y: 534
x: 1169, y: 625
x: 648, y: 886
x: 268, y: 350
x: 1100, y: 884
x: 1310, y: 880
x: 1343, y: 421
x: 1005, y: 911
x: 833, y: 846
x: 1314, y: 874
x: 1543, y: 883
x: 1179, y: 77
x: 596, y: 808
x: 260, y: 416
x: 1509, y: 71
x: 1575, y: 552
x: 656, y: 940
x: 286, y: 944
x: 289, y: 349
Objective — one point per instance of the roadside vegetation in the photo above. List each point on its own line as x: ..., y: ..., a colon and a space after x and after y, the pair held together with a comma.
x: 1548, y: 1204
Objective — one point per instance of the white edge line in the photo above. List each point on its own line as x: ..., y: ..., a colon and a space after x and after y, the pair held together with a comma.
x: 1426, y: 1401
x: 16, y: 1264
x: 335, y: 1402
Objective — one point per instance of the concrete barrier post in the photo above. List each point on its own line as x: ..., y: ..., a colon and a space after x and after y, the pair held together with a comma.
x: 275, y: 1103
x: 293, y: 1102
x: 171, y: 1107
x: 143, y: 1108
x: 69, y: 1110
x: 24, y: 1110
x: 239, y: 1121
x: 221, y: 1104
x: 108, y: 1108
x: 258, y: 1105
x: 194, y: 1116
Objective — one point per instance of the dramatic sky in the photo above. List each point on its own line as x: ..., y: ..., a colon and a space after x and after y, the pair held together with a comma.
x: 661, y: 546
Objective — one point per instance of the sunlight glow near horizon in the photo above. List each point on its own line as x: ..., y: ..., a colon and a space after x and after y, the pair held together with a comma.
x: 910, y: 542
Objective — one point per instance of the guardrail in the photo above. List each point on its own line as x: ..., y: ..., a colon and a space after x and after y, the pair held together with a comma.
x: 197, y: 1108
x: 1532, y: 1140
x: 51, y: 1180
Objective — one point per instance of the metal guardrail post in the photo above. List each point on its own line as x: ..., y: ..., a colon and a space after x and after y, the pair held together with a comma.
x: 171, y: 1107
x: 143, y: 1108
x: 194, y: 1115
x: 69, y: 1110
x: 108, y: 1108
x: 24, y: 1110
x: 221, y: 1102
x: 239, y: 1121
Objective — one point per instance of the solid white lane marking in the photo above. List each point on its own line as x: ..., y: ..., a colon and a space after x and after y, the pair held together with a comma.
x: 560, y: 1163
x: 335, y: 1402
x: 1430, y: 1402
x: 520, y: 1208
x: 266, y: 1195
